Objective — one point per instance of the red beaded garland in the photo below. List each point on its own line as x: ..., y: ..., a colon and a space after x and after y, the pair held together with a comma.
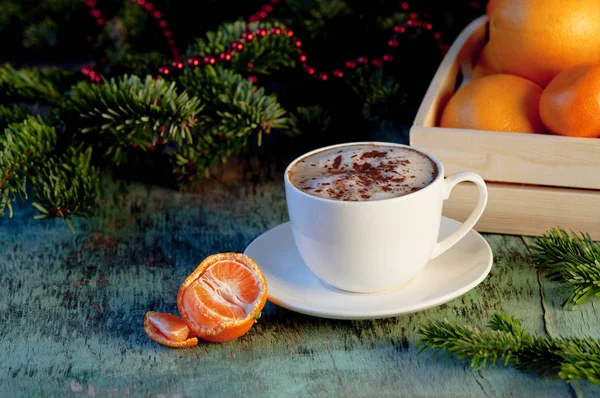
x: 236, y: 46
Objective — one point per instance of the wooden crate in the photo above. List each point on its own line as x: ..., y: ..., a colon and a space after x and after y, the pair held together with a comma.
x: 535, y: 182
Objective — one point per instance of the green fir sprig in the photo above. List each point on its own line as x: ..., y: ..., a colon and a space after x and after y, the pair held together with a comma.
x: 262, y: 55
x: 572, y: 260
x: 66, y: 186
x: 22, y: 147
x: 131, y: 111
x: 9, y: 115
x: 236, y: 111
x: 507, y: 343
x: 35, y: 85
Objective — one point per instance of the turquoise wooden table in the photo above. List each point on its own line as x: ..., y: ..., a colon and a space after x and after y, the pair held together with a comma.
x: 72, y: 308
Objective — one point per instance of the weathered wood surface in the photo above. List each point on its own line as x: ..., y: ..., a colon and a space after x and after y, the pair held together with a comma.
x: 71, y: 310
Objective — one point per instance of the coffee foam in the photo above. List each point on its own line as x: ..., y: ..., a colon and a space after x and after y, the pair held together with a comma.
x: 363, y: 172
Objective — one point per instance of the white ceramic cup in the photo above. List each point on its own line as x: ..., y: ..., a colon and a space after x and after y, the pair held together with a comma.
x: 373, y: 246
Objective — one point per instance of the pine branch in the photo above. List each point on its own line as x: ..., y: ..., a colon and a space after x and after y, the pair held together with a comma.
x: 507, y: 343
x: 380, y: 94
x: 65, y: 186
x: 22, y: 146
x: 235, y: 111
x: 266, y: 54
x: 130, y: 111
x: 40, y: 35
x: 37, y: 85
x: 571, y: 260
x: 309, y: 118
x: 9, y: 115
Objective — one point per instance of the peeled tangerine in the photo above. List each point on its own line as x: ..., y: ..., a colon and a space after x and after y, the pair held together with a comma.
x: 219, y: 302
x: 223, y: 297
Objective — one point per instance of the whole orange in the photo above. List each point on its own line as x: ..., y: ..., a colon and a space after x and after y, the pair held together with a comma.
x: 497, y: 102
x: 570, y: 104
x: 537, y: 39
x: 484, y: 65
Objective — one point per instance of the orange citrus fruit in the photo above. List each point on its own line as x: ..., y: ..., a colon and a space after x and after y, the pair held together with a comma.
x: 490, y: 6
x: 485, y: 65
x: 570, y: 104
x: 497, y: 103
x: 537, y: 39
x: 223, y: 297
x: 169, y: 330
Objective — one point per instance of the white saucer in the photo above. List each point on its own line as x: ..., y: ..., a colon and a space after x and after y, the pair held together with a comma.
x: 293, y: 286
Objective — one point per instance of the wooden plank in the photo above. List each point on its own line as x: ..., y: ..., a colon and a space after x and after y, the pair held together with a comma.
x: 519, y: 158
x: 72, y: 307
x: 527, y: 210
x: 496, y: 156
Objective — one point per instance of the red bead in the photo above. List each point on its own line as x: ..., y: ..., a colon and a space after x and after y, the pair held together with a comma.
x: 303, y: 58
x: 253, y: 18
x: 262, y: 14
x: 97, y: 78
x: 95, y: 13
x: 428, y: 26
x: 171, y: 43
x: 350, y: 64
x: 196, y: 62
x: 404, y: 6
x: 377, y: 63
x: 253, y: 79
x: 262, y: 32
x: 362, y: 60
x: 100, y: 22
x: 338, y: 73
x: 393, y: 43
x: 267, y: 8
x: 148, y: 6
x: 410, y: 23
x: 276, y: 30
x: 141, y: 2
x: 167, y: 33
x: 90, y: 3
x: 162, y: 23
x: 298, y: 43
x: 323, y: 76
x: 179, y: 65
x: 290, y: 33
x: 311, y: 71
x: 157, y: 14
x: 225, y: 57
x: 92, y: 73
x: 237, y: 46
x: 399, y: 29
x: 134, y: 145
x: 414, y: 15
x: 388, y: 58
x: 249, y: 37
x: 437, y: 35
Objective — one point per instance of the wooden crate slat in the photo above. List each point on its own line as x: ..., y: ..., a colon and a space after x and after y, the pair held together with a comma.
x: 527, y: 210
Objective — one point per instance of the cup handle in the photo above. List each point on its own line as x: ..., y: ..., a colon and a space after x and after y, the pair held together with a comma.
x: 470, y: 222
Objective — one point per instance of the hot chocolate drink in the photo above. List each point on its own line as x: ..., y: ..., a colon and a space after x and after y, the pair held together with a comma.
x: 363, y: 172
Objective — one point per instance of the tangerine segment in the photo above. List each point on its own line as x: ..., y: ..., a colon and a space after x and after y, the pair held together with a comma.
x: 169, y: 330
x: 220, y: 300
